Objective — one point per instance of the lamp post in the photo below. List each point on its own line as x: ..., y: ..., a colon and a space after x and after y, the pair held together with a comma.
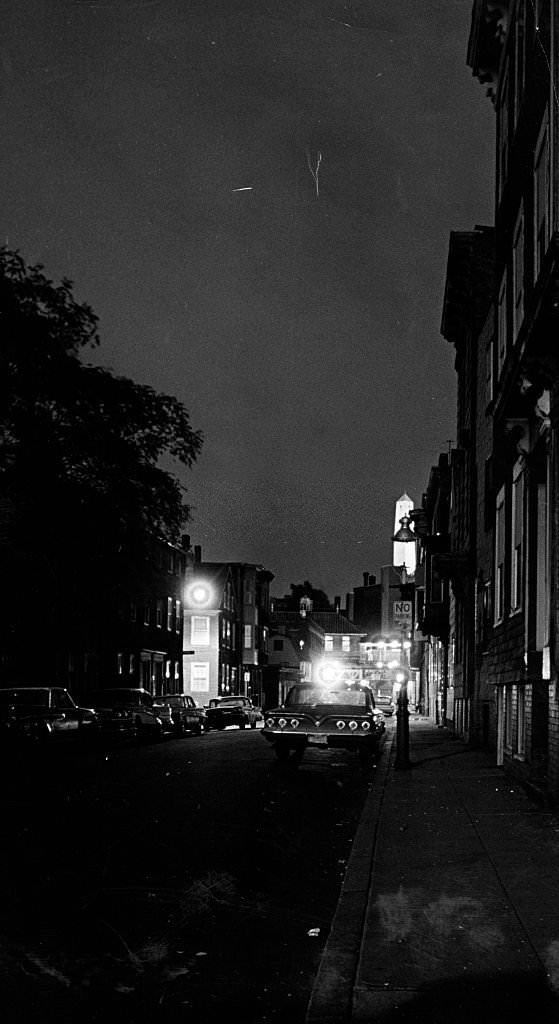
x: 403, y: 536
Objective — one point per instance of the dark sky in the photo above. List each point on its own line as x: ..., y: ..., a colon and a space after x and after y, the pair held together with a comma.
x: 302, y: 332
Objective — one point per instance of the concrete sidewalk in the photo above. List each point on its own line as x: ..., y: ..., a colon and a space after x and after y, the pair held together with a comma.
x: 449, y: 909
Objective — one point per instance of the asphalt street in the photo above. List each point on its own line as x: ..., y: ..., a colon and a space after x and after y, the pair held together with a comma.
x: 187, y: 877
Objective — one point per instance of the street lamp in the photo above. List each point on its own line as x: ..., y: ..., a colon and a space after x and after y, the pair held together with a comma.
x: 403, y: 536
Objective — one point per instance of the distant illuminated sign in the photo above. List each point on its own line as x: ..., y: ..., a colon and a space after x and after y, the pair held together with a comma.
x: 402, y: 613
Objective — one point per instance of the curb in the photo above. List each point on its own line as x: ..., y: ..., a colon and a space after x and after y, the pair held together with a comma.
x: 332, y: 992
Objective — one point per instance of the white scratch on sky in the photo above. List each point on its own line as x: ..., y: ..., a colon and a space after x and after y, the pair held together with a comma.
x: 314, y: 170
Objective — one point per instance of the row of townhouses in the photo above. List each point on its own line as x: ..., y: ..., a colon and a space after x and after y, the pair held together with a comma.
x: 487, y: 528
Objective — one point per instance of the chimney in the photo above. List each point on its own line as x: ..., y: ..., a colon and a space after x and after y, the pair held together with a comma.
x: 197, y: 553
x: 185, y: 542
x: 365, y: 579
x: 337, y: 603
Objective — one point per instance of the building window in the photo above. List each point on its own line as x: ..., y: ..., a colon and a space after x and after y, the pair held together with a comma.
x: 278, y: 643
x: 120, y: 663
x: 508, y: 695
x: 177, y: 670
x: 132, y: 664
x: 200, y: 630
x: 520, y: 721
x: 168, y: 669
x: 177, y: 616
x: 346, y: 643
x: 159, y: 613
x: 502, y: 323
x: 503, y: 129
x: 499, y: 599
x: 247, y: 636
x: 487, y: 616
x: 518, y: 273
x: 489, y: 351
x: 520, y: 57
x: 133, y: 611
x: 146, y: 615
x: 169, y: 613
x: 541, y: 197
x: 328, y: 643
x: 543, y: 565
x: 517, y: 536
x: 199, y: 676
x: 435, y: 595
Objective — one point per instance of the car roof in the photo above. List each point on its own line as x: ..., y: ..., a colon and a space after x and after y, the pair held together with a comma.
x: 124, y: 689
x: 22, y: 686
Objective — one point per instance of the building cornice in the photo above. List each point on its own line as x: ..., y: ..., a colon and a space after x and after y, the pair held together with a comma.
x: 485, y: 44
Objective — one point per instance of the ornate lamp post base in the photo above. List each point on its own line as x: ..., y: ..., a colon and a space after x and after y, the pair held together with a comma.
x: 402, y: 729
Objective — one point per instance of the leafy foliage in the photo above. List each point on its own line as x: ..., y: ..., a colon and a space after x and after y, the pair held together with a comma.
x: 80, y: 448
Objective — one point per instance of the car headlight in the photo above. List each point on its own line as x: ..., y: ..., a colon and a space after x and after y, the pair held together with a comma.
x: 282, y: 723
x: 294, y: 723
x: 353, y: 726
x: 340, y: 724
x: 270, y: 722
x: 365, y: 725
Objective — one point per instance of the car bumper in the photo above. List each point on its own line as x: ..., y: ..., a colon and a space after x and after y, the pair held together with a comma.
x: 297, y: 740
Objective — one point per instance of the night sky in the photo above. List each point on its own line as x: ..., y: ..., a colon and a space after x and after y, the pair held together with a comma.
x: 298, y: 320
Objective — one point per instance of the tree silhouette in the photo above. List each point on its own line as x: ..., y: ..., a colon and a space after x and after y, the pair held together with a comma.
x: 82, y: 487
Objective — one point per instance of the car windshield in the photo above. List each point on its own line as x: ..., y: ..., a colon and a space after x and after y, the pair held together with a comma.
x: 229, y: 702
x: 312, y: 695
x: 109, y: 698
x: 25, y: 698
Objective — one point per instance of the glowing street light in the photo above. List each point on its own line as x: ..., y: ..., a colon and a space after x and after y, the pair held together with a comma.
x: 328, y: 672
x: 403, y: 536
x: 199, y: 594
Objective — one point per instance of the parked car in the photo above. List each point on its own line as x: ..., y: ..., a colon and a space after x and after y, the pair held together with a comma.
x: 324, y: 717
x: 187, y: 716
x: 42, y: 713
x: 146, y: 718
x: 114, y: 720
x: 224, y: 711
x: 386, y: 703
x: 163, y: 711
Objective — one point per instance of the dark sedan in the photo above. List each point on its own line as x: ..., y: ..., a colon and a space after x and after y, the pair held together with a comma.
x: 320, y: 716
x: 224, y: 711
x: 115, y: 722
x: 187, y: 716
x: 42, y: 713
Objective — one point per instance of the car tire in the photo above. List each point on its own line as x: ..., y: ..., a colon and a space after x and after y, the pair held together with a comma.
x: 253, y: 725
x: 242, y: 725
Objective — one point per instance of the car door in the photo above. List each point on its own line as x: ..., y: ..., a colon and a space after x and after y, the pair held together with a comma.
x: 191, y: 717
x: 63, y: 715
